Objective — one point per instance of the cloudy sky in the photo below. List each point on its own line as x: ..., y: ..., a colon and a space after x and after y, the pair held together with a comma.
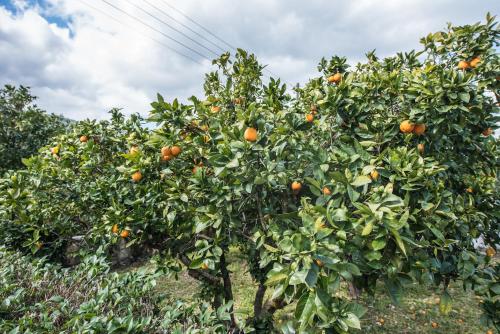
x: 83, y: 57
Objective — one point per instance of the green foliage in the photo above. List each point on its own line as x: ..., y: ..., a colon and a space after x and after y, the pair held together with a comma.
x: 39, y: 297
x: 393, y: 213
x: 24, y: 128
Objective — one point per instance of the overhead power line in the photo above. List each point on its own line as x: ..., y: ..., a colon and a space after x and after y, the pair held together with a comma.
x: 171, y: 27
x: 197, y: 24
x: 138, y: 32
x: 158, y: 31
x: 184, y: 25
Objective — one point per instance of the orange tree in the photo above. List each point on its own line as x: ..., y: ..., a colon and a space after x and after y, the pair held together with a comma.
x: 386, y: 172
x: 24, y: 127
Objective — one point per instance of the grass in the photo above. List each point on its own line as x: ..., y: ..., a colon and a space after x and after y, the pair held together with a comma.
x: 418, y: 310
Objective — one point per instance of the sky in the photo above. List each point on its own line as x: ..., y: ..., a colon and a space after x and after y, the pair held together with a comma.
x: 84, y: 57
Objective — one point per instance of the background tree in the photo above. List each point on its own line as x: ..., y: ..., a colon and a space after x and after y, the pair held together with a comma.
x: 24, y: 127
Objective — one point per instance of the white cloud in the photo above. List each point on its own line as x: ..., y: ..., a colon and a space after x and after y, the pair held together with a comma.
x: 95, y: 64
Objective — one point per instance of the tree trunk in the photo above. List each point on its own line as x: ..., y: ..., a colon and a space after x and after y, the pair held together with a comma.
x: 228, y: 289
x: 259, y: 301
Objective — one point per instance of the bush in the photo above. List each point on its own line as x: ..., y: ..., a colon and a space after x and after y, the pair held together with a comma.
x: 386, y: 172
x: 39, y: 297
x: 24, y: 128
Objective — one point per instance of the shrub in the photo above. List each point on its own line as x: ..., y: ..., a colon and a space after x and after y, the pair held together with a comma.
x: 39, y: 297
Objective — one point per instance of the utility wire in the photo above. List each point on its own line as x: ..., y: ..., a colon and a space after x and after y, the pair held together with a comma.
x: 158, y: 31
x: 138, y: 32
x: 170, y: 26
x: 197, y: 24
x: 185, y: 26
x: 206, y: 30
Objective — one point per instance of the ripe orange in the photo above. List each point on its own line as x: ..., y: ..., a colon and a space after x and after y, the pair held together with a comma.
x: 337, y: 77
x: 175, y: 150
x: 490, y: 251
x: 137, y: 176
x: 469, y: 190
x: 487, y: 132
x: 381, y: 321
x: 309, y: 118
x: 406, y: 126
x: 463, y: 65
x: 326, y: 191
x: 167, y: 157
x: 319, y: 262
x: 165, y: 150
x: 250, y: 134
x: 124, y: 234
x: 215, y: 109
x: 296, y: 186
x: 374, y: 174
x: 490, y: 331
x: 84, y: 139
x: 114, y: 229
x: 331, y: 79
x: 474, y: 62
x: 434, y: 324
x: 204, y: 266
x: 419, y: 129
x: 421, y: 148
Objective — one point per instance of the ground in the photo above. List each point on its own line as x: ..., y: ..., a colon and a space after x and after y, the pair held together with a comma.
x: 418, y: 310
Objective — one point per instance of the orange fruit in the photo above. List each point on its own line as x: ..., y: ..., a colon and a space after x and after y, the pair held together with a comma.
x: 124, y: 234
x: 421, y: 148
x: 374, y: 174
x: 490, y: 251
x: 296, y: 186
x: 84, y: 139
x: 309, y: 118
x: 381, y: 321
x: 250, y: 134
x: 490, y: 331
x: 463, y: 65
x: 326, y: 191
x: 215, y: 109
x: 474, y: 62
x: 167, y: 157
x: 175, y: 150
x: 419, y: 129
x: 204, y: 266
x: 165, y: 150
x: 331, y: 79
x: 319, y: 262
x: 137, y: 176
x: 114, y: 229
x: 434, y: 324
x: 469, y: 190
x: 406, y: 126
x: 487, y: 132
